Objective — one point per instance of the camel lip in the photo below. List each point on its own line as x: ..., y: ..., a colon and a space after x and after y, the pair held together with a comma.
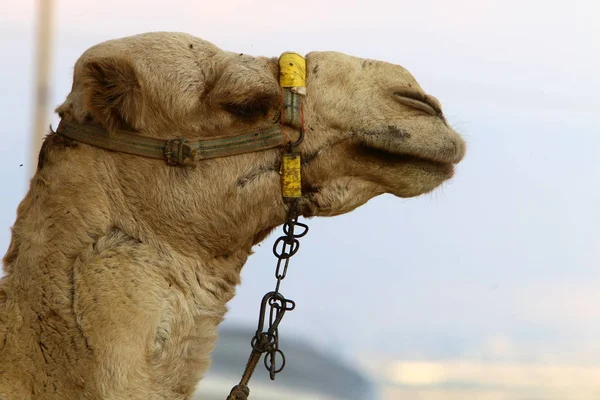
x: 449, y: 155
x: 452, y: 159
x: 428, y: 164
x: 398, y: 140
x: 403, y: 155
x: 421, y: 161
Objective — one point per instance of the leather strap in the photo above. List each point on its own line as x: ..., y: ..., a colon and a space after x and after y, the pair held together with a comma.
x: 177, y: 151
x: 186, y: 151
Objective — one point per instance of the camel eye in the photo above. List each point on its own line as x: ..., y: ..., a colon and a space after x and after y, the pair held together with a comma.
x: 244, y: 110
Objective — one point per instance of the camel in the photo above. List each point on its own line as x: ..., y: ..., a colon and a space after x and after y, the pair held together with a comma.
x: 120, y: 266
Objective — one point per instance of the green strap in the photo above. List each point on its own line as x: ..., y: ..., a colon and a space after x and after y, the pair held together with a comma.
x: 178, y: 151
x: 292, y: 109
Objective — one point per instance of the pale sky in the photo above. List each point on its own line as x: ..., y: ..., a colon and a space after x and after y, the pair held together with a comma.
x: 501, y: 264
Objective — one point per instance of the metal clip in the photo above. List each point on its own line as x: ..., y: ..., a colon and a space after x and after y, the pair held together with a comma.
x: 178, y: 152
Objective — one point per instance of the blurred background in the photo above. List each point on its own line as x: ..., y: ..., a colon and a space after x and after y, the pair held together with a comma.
x: 487, y: 288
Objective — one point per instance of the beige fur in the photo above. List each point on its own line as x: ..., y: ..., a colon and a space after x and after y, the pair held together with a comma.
x: 120, y: 267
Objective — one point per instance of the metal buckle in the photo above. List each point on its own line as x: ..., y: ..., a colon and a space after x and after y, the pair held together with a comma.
x: 178, y: 152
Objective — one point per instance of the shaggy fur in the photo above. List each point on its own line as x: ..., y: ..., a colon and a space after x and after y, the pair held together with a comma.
x: 120, y: 267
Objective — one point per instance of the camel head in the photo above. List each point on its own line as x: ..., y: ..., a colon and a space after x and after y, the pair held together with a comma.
x: 370, y: 129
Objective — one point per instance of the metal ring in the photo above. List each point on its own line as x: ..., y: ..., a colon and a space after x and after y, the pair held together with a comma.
x: 270, y: 364
x: 300, y: 138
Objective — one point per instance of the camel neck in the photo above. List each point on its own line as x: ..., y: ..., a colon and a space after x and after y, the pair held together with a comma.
x: 120, y: 303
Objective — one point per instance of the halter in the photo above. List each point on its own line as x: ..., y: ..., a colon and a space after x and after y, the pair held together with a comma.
x: 186, y: 152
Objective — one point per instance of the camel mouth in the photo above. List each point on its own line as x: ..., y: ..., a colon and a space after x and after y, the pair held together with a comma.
x: 408, y: 141
x: 390, y: 144
x: 431, y: 165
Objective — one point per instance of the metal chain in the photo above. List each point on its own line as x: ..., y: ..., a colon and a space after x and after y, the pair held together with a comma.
x: 284, y: 248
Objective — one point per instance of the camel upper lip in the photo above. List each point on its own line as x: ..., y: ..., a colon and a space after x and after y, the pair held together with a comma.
x: 452, y: 158
x: 392, y: 156
x: 451, y: 154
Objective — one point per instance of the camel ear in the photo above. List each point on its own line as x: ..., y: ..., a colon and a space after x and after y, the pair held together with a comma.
x: 113, y: 93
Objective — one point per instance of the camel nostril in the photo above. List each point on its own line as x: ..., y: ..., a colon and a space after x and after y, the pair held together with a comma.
x: 420, y: 101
